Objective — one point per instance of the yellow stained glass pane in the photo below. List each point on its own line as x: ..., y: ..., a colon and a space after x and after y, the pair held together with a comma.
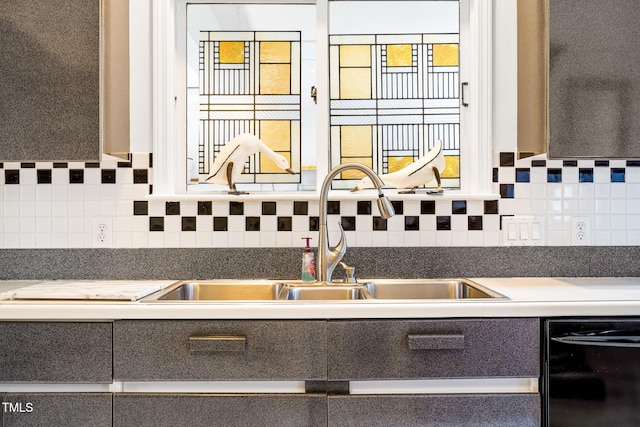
x: 452, y: 167
x: 445, y: 55
x: 275, y: 79
x: 399, y: 162
x: 355, y: 83
x: 354, y: 174
x: 275, y: 52
x: 399, y: 55
x: 231, y: 52
x: 268, y: 166
x: 355, y: 141
x: 355, y: 56
x: 276, y: 134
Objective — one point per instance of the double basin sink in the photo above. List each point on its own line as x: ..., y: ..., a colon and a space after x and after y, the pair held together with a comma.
x: 273, y: 290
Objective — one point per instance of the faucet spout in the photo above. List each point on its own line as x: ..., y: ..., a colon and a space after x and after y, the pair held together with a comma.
x: 328, y: 259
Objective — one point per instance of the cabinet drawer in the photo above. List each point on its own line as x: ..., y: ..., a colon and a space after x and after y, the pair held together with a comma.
x: 57, y: 409
x: 219, y: 350
x: 463, y: 410
x: 174, y: 410
x: 399, y: 349
x: 50, y: 352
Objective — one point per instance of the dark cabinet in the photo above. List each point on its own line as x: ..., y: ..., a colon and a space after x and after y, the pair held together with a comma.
x: 238, y: 410
x: 365, y: 350
x: 442, y: 410
x: 411, y: 349
x: 52, y: 353
x: 57, y: 409
x: 50, y: 80
x: 158, y: 350
x: 329, y: 356
x: 594, y: 79
x: 55, y: 352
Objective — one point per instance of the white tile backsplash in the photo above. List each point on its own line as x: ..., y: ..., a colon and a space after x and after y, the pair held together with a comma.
x: 59, y: 214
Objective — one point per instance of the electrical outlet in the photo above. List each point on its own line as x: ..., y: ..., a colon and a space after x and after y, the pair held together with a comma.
x: 101, y: 233
x: 580, y: 231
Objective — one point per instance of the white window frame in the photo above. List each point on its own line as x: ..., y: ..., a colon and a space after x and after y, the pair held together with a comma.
x: 169, y: 103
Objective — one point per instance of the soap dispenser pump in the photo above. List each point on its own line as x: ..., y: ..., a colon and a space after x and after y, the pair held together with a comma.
x: 308, y: 263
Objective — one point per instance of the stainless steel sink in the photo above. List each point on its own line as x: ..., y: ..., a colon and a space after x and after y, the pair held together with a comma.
x: 428, y: 289
x: 324, y: 293
x: 220, y: 291
x: 371, y: 290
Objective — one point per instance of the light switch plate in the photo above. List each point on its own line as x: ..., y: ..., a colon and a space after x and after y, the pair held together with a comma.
x: 523, y: 231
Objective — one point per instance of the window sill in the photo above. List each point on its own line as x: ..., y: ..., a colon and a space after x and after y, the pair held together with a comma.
x: 315, y: 195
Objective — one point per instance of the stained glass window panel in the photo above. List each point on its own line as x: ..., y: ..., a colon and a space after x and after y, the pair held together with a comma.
x: 355, y: 56
x: 356, y: 141
x: 249, y: 83
x: 397, y: 163
x: 275, y: 52
x: 399, y: 55
x: 231, y: 52
x: 412, y: 100
x: 355, y: 83
x: 445, y: 55
x: 275, y: 79
x: 276, y: 134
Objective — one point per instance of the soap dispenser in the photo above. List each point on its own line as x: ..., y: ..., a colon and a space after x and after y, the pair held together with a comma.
x: 308, y: 263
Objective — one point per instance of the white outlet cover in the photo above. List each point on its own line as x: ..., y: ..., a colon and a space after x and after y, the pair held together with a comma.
x: 101, y: 233
x: 580, y: 231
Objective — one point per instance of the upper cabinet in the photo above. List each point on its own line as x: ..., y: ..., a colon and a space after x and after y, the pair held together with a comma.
x: 593, y: 78
x: 51, y: 89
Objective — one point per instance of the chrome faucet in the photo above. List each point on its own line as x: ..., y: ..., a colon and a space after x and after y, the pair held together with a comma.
x: 329, y: 258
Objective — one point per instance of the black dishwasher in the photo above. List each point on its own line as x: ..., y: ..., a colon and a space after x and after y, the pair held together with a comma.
x: 592, y: 372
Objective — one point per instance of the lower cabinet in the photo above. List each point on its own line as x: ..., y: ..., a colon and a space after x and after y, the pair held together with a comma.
x: 233, y: 410
x: 444, y: 410
x: 57, y: 409
x: 56, y: 352
x: 329, y: 356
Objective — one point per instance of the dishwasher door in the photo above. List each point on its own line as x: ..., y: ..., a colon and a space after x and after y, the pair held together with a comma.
x: 592, y: 372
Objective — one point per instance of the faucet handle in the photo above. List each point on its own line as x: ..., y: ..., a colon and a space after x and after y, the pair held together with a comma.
x: 349, y: 273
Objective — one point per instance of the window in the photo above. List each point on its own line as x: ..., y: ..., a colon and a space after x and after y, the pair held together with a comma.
x: 394, y: 85
x: 248, y: 66
x: 388, y: 86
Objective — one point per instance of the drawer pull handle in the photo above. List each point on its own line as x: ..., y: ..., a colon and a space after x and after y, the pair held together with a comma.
x: 436, y: 342
x: 217, y: 344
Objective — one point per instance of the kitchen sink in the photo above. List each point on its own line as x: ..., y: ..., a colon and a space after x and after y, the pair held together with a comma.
x: 428, y: 289
x: 220, y: 291
x: 332, y: 292
x: 370, y: 290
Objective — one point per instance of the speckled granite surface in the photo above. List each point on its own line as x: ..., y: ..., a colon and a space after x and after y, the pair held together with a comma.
x: 60, y: 409
x: 284, y: 263
x: 50, y: 108
x: 522, y: 410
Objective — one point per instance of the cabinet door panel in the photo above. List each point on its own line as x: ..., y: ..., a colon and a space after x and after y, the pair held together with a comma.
x: 219, y: 350
x: 60, y: 409
x: 64, y: 352
x: 50, y: 80
x: 220, y: 410
x: 489, y: 410
x: 413, y: 349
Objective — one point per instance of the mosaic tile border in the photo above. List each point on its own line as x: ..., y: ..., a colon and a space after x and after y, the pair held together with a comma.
x: 220, y: 212
x: 552, y: 171
x: 52, y: 204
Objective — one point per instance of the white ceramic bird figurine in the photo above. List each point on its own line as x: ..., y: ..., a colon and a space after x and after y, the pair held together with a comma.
x: 230, y: 161
x: 422, y: 171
